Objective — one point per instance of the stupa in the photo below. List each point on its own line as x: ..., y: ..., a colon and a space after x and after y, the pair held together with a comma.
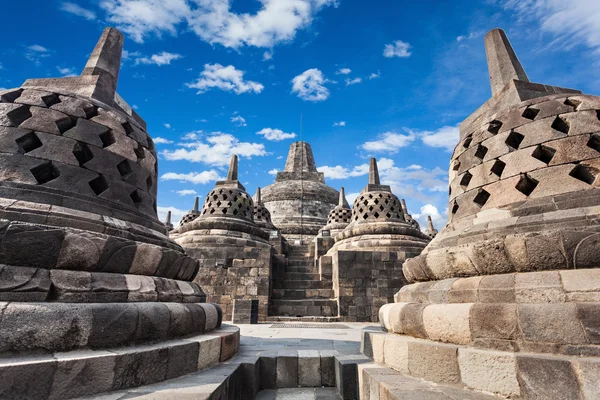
x: 505, y: 298
x: 88, y: 276
x: 339, y: 217
x: 299, y: 200
x: 233, y: 251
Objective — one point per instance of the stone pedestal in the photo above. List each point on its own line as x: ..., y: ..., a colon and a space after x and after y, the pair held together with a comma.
x: 84, y: 262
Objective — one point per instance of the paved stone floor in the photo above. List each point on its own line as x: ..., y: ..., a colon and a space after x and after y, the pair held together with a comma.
x: 299, y: 394
x: 261, y: 337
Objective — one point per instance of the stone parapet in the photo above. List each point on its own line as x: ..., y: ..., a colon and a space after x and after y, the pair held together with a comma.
x: 504, y: 373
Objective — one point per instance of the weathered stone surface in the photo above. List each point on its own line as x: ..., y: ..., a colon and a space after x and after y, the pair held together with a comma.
x: 268, y: 371
x: 436, y: 363
x: 327, y: 368
x: 210, y: 351
x: 113, y: 326
x: 309, y: 368
x: 547, y: 378
x: 182, y: 359
x: 287, y: 369
x: 395, y: 353
x: 494, y: 321
x: 489, y: 371
x: 83, y: 373
x: 448, y: 322
x: 16, y: 377
x: 552, y: 323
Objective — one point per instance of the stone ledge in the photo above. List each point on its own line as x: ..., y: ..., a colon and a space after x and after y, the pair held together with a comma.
x: 575, y: 285
x: 50, y: 327
x: 567, y: 328
x: 83, y: 373
x: 504, y: 373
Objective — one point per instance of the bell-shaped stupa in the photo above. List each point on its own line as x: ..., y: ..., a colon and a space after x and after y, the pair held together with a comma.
x: 339, y: 217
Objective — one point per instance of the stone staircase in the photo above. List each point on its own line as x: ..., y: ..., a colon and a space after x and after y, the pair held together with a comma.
x: 298, y: 291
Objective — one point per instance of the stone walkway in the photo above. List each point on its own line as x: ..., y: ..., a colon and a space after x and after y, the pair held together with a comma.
x: 299, y: 394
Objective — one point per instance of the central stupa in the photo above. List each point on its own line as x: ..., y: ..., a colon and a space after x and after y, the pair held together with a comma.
x: 299, y: 200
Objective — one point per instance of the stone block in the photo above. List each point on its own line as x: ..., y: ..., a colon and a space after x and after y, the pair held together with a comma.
x: 268, y: 371
x: 497, y: 289
x: 346, y: 374
x: 113, y: 325
x: 465, y: 290
x: 43, y: 246
x: 551, y: 323
x: 23, y: 284
x: 581, y: 280
x: 153, y: 321
x: 140, y: 368
x: 287, y: 369
x: 82, y: 373
x: 448, y: 322
x: 377, y: 346
x: 433, y: 362
x: 587, y: 372
x: 45, y: 326
x: 489, y: 371
x: 212, y: 316
x: 183, y: 359
x: 18, y: 374
x: 309, y: 368
x: 198, y: 317
x: 180, y: 321
x: 547, y: 378
x: 229, y: 345
x: 438, y: 293
x: 412, y: 320
x: 589, y: 315
x: 327, y: 368
x: 494, y: 321
x: 539, y: 287
x: 395, y: 353
x: 210, y: 351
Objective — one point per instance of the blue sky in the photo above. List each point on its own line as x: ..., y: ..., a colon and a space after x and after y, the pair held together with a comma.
x: 389, y: 78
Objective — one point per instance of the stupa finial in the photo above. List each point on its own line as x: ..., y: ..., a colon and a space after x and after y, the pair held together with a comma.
x: 232, y: 175
x: 430, y: 223
x: 342, y: 201
x: 257, y: 196
x: 503, y: 64
x: 196, y: 204
x: 374, y: 173
x: 105, y: 61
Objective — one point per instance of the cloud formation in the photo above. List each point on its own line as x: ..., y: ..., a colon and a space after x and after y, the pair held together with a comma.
x: 397, y: 49
x: 160, y: 140
x: 310, y: 85
x: 160, y: 59
x: 446, y: 137
x: 388, y: 142
x: 229, y: 79
x: 197, y: 178
x: 78, y: 10
x: 275, y: 135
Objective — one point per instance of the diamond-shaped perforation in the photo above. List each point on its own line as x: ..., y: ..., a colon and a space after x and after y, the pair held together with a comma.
x: 526, y: 184
x: 584, y: 173
x: 107, y: 138
x: 481, y: 151
x: 139, y: 152
x: 514, y: 140
x: 572, y: 103
x: 82, y: 153
x: 454, y: 208
x: 494, y: 126
x: 464, y: 181
x: 594, y: 142
x: 498, y: 167
x: 560, y: 124
x: 124, y: 168
x: 467, y: 142
x: 481, y: 198
x: 543, y: 153
x: 99, y: 185
x: 50, y: 99
x: 530, y: 113
x: 45, y: 172
x: 136, y: 198
x: 456, y: 165
x: 19, y: 115
x: 28, y: 142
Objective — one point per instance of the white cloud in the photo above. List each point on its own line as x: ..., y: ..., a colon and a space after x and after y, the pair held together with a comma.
x: 267, y: 55
x: 160, y: 140
x: 66, y: 71
x: 197, y: 178
x: 176, y: 214
x: 238, y: 120
x: 472, y: 35
x: 341, y: 123
x: 213, y: 149
x: 351, y: 197
x: 389, y: 142
x: 343, y: 71
x: 438, y: 219
x: 78, y: 10
x: 212, y: 20
x: 397, y: 49
x: 446, y: 137
x: 572, y: 21
x: 340, y: 172
x: 374, y: 75
x: 187, y: 192
x: 275, y: 135
x: 309, y: 85
x: 168, y: 126
x: 273, y: 172
x: 162, y: 58
x: 227, y: 78
x: 353, y: 81
x: 279, y: 157
x: 36, y: 52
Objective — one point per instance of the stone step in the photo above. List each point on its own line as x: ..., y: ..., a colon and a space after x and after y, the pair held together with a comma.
x: 376, y: 381
x: 300, y: 262
x: 304, y: 269
x: 302, y: 284
x: 301, y: 294
x: 302, y: 319
x: 303, y: 308
x: 301, y: 276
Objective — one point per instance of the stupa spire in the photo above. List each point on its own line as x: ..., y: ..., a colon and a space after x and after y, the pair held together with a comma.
x: 373, y: 173
x: 257, y: 199
x: 404, y: 208
x: 503, y: 64
x: 196, y: 205
x: 430, y: 223
x: 105, y: 61
x: 232, y: 175
x: 300, y: 158
x: 342, y: 201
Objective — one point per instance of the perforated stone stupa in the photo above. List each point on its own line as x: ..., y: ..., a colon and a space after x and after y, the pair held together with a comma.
x: 234, y: 252
x: 339, y: 217
x: 299, y: 200
x: 510, y: 287
x: 85, y: 264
